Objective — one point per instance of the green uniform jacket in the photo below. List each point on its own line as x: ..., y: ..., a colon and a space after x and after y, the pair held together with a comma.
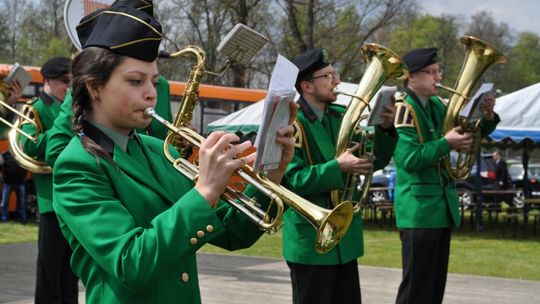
x: 425, y: 196
x: 47, y: 111
x: 313, y: 173
x: 62, y: 132
x: 134, y: 233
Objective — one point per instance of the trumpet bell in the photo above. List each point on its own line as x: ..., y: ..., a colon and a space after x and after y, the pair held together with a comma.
x: 333, y: 227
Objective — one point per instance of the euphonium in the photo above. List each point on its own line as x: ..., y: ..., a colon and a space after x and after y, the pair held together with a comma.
x: 28, y: 115
x: 383, y: 64
x: 479, y: 56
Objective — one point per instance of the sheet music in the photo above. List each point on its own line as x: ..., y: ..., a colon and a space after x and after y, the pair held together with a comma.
x: 241, y: 44
x: 275, y: 114
x: 383, y: 97
x: 471, y: 110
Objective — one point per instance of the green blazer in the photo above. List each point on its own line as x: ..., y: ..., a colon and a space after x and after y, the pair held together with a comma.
x: 135, y: 229
x: 425, y: 195
x: 313, y: 173
x: 62, y: 132
x: 47, y: 111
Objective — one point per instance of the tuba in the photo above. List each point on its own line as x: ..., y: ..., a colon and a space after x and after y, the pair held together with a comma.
x: 479, y: 56
x: 27, y: 115
x: 331, y: 225
x: 382, y: 64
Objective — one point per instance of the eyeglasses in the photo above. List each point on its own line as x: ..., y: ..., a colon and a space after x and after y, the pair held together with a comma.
x: 65, y: 80
x: 333, y: 76
x: 433, y: 72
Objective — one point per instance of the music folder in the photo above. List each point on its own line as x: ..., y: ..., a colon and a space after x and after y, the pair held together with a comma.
x: 383, y: 97
x: 275, y: 114
x: 471, y: 111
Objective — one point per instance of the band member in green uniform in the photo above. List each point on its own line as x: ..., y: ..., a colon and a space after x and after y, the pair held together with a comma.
x: 133, y: 221
x: 61, y: 132
x: 313, y: 173
x: 55, y: 282
x: 426, y: 202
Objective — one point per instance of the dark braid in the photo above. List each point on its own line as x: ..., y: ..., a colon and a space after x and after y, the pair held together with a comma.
x: 93, y: 66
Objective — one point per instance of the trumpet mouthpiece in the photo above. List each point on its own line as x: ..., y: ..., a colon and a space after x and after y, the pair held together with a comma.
x: 149, y: 112
x: 438, y: 85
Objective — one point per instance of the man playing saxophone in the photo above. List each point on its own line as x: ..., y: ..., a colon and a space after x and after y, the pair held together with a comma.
x: 313, y: 173
x: 426, y: 201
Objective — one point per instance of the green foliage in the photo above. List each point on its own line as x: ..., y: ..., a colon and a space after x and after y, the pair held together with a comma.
x: 524, y: 65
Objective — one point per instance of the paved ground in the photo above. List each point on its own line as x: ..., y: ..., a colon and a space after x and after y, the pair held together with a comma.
x: 236, y: 279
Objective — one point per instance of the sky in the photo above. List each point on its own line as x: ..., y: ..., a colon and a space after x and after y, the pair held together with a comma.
x: 520, y: 15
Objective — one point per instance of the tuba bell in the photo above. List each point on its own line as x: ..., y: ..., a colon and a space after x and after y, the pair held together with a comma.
x: 479, y: 56
x: 27, y: 115
x: 382, y: 64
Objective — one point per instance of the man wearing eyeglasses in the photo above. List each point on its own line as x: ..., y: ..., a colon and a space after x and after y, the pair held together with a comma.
x: 313, y: 173
x: 55, y: 282
x: 426, y: 201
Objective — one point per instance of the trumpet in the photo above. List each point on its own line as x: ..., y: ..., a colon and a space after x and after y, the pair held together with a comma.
x: 331, y: 225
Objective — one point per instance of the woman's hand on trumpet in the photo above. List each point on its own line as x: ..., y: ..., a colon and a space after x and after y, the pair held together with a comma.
x: 217, y: 162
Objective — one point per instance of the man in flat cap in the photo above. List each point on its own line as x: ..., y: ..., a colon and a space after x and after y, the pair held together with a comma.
x: 426, y: 200
x: 55, y: 282
x: 313, y: 173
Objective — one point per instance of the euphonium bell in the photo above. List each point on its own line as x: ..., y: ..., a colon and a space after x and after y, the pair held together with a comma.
x: 479, y: 56
x: 382, y: 64
x: 331, y: 225
x: 27, y: 115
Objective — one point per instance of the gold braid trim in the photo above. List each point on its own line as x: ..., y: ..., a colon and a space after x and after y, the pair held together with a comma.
x: 300, y: 139
x: 406, y: 117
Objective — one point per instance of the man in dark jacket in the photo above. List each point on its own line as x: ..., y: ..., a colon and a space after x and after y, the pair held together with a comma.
x: 14, y: 177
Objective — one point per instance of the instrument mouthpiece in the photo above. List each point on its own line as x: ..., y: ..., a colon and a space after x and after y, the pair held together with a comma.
x: 149, y: 112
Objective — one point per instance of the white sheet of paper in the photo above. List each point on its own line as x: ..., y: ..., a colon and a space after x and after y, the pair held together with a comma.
x: 275, y: 114
x: 284, y: 75
x: 472, y: 109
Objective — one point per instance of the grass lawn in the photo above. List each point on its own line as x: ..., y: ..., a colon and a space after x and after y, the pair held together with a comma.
x: 486, y: 253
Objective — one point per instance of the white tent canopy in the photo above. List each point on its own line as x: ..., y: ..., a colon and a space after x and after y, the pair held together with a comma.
x: 519, y: 112
x: 248, y: 119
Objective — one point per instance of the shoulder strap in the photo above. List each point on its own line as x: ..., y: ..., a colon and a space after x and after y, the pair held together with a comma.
x: 406, y: 117
x: 300, y: 139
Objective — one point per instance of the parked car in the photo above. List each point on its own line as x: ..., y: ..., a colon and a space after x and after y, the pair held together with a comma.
x: 466, y: 188
x: 381, y: 179
x: 516, y: 172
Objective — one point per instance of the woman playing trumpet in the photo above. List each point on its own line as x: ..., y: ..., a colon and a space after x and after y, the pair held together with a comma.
x: 133, y: 221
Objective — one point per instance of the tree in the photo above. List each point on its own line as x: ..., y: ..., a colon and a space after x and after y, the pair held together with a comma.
x: 524, y: 68
x: 431, y: 31
x: 342, y: 27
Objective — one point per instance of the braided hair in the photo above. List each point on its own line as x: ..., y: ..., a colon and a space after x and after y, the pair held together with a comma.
x: 92, y: 66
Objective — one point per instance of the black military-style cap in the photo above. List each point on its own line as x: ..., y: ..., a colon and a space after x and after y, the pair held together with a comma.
x: 420, y: 58
x: 56, y: 67
x: 145, y: 5
x: 309, y: 62
x: 122, y: 29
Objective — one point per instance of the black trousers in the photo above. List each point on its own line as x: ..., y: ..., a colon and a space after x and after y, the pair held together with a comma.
x: 325, y: 284
x: 424, y: 254
x: 55, y: 282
